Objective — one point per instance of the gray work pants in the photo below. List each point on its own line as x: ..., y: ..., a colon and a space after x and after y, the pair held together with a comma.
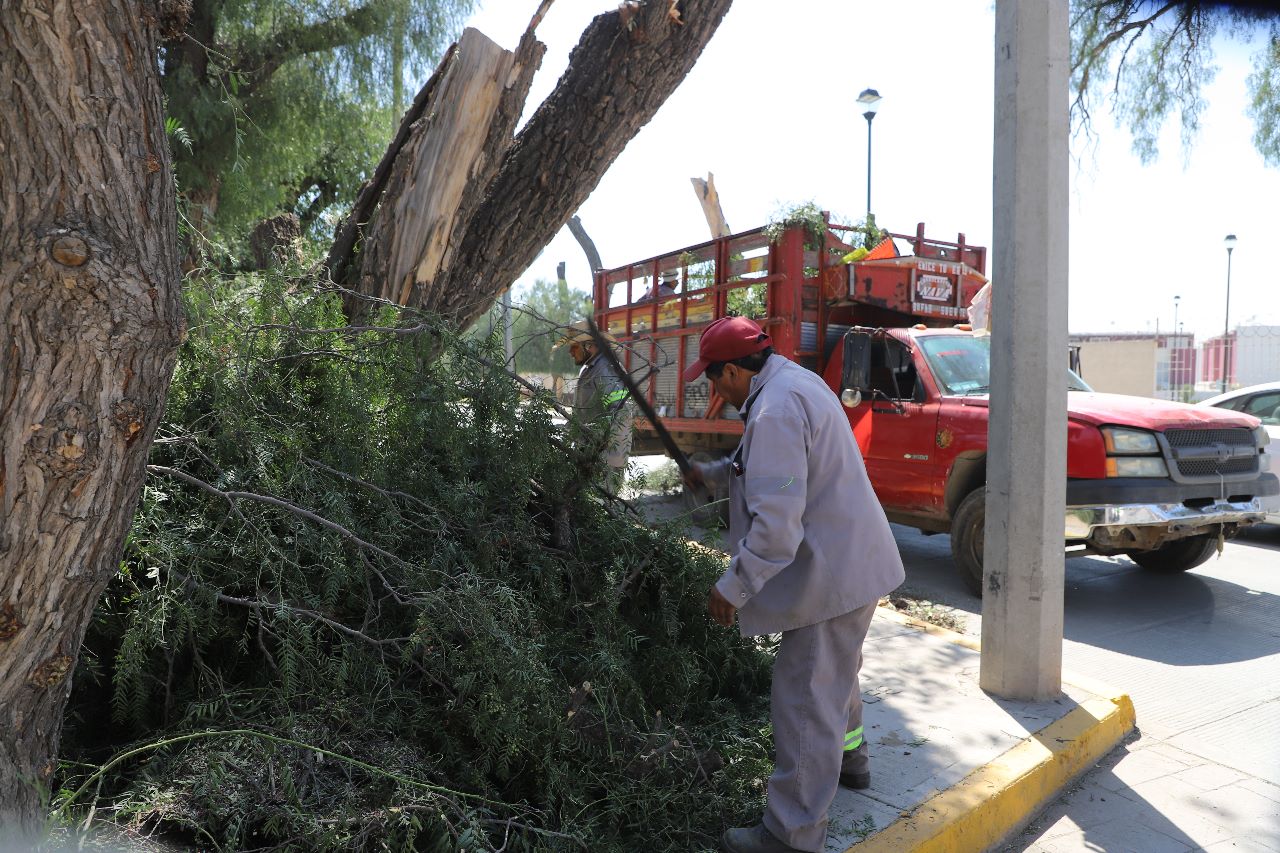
x: 817, y: 712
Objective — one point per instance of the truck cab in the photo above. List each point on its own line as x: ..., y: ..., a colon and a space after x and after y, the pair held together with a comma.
x: 1162, y: 483
x: 1148, y: 479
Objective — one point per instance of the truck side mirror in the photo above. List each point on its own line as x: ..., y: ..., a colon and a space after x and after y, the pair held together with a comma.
x: 855, y: 379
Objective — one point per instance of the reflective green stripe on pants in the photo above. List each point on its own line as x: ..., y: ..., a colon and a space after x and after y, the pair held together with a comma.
x: 853, y: 739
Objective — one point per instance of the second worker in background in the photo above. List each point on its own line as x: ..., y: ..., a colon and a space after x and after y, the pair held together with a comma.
x: 600, y: 399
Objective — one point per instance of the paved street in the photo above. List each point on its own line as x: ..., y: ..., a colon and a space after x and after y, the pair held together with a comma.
x: 1199, y: 654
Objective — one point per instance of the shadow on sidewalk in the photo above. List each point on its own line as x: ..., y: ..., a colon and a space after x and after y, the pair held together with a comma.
x: 1133, y: 807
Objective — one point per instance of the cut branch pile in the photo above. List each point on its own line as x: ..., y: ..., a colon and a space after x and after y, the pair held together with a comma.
x: 351, y: 616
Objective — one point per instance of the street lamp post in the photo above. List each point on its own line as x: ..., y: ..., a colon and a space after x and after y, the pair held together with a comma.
x: 1230, y: 242
x: 1176, y: 354
x: 869, y: 98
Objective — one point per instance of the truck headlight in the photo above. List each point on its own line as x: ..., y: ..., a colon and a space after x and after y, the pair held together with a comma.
x: 1136, y: 466
x: 1261, y: 438
x: 1121, y: 440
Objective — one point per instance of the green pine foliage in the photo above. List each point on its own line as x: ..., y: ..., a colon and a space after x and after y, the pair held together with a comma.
x: 373, y: 601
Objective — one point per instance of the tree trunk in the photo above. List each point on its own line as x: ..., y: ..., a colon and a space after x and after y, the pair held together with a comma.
x: 89, y: 303
x: 519, y: 193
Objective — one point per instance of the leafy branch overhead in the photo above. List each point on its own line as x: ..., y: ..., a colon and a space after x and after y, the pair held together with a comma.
x: 1153, y: 60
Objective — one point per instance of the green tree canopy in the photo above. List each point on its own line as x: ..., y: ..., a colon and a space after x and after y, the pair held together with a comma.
x: 286, y: 106
x: 1152, y: 61
x: 538, y: 323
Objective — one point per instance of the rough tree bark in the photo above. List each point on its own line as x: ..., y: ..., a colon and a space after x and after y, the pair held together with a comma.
x: 522, y: 191
x: 91, y: 322
x: 277, y: 241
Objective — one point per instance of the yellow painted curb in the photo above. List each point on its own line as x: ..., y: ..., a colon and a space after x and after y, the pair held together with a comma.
x: 995, y: 800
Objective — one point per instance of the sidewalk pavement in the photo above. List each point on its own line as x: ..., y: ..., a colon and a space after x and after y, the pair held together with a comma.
x: 954, y: 769
x: 1152, y: 796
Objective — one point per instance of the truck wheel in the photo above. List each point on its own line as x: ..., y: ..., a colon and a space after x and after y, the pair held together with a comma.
x: 967, y: 537
x: 706, y: 510
x: 1179, y: 556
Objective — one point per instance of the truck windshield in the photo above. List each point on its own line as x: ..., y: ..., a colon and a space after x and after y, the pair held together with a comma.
x: 962, y: 364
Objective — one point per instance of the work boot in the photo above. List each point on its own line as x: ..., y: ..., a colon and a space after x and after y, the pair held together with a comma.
x: 754, y: 839
x: 856, y: 781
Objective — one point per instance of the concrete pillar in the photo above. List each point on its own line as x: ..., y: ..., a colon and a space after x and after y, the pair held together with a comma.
x: 1026, y: 462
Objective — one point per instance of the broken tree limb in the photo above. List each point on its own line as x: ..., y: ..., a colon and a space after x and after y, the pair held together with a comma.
x: 340, y: 253
x: 617, y: 79
x: 457, y: 144
x: 509, y: 197
x: 584, y: 240
x: 710, y: 201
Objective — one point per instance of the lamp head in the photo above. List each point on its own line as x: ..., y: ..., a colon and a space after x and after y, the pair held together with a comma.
x: 1229, y: 241
x: 870, y: 100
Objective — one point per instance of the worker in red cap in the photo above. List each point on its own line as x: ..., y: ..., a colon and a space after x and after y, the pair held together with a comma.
x: 811, y: 553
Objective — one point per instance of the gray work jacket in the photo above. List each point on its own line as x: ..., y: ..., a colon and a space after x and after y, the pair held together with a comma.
x: 808, y: 539
x: 601, y: 393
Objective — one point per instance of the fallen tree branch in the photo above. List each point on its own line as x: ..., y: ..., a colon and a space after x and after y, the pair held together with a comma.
x: 309, y: 614
x: 232, y: 496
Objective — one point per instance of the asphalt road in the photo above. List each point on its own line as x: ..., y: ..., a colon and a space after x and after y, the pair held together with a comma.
x: 1199, y: 654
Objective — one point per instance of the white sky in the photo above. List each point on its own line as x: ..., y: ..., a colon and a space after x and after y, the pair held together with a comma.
x: 769, y: 108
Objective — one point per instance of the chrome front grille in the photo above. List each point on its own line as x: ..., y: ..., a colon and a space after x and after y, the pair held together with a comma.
x: 1204, y: 453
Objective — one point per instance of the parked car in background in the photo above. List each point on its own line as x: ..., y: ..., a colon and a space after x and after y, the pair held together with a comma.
x: 1263, y: 402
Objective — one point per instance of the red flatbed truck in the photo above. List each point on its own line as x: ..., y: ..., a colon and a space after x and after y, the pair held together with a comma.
x: 1160, y: 482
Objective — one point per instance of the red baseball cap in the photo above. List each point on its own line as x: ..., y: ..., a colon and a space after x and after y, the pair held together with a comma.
x: 726, y: 339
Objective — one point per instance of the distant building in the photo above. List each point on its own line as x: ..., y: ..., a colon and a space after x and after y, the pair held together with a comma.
x: 1216, y: 356
x: 1142, y: 365
x: 1181, y: 351
x: 1118, y: 364
x: 1257, y: 354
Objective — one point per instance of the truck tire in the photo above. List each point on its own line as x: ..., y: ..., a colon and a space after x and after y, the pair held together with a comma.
x: 967, y: 537
x: 1179, y: 556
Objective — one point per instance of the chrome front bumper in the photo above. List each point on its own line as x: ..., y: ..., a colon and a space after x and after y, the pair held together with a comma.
x: 1083, y: 520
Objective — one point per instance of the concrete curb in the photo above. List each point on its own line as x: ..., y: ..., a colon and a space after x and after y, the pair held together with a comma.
x: 999, y: 798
